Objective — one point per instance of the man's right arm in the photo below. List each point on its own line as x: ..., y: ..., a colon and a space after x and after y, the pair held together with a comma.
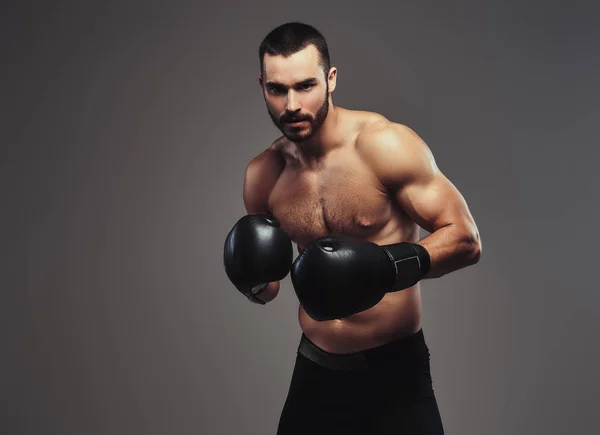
x: 259, y: 180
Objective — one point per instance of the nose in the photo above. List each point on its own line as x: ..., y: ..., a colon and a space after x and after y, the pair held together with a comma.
x: 293, y: 105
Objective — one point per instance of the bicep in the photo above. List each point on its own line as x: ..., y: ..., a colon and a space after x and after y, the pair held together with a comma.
x: 432, y: 201
x: 253, y: 193
x: 259, y: 179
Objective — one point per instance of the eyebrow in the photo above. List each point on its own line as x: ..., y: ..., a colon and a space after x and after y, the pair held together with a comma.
x: 308, y: 81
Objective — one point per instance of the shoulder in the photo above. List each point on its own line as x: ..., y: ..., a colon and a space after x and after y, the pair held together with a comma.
x: 262, y: 172
x: 270, y: 158
x: 394, y: 151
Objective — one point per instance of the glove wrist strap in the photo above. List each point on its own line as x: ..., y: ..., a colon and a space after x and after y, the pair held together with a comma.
x: 411, y: 263
x: 255, y: 291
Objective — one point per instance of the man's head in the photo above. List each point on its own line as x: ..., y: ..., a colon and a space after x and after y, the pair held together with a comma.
x: 296, y: 78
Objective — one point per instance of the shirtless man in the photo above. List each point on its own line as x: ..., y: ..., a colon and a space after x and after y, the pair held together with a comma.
x: 351, y: 189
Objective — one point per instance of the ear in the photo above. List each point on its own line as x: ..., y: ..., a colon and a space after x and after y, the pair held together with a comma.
x: 332, y: 78
x: 260, y: 79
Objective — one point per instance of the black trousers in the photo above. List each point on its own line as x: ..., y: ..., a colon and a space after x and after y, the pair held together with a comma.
x: 383, y: 390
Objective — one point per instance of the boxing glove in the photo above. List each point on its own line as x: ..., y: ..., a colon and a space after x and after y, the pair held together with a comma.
x: 335, y: 278
x: 257, y: 251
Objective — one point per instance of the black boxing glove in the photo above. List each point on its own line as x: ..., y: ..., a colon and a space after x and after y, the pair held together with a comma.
x: 257, y: 251
x: 335, y: 278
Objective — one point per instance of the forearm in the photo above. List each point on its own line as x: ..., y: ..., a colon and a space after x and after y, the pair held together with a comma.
x: 451, y: 248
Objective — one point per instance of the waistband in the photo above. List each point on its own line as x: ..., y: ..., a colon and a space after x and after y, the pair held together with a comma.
x: 407, y: 350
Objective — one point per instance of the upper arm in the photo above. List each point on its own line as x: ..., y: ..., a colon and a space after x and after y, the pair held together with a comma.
x: 259, y: 179
x: 406, y: 166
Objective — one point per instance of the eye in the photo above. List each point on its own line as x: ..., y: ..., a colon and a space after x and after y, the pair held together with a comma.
x: 275, y: 90
x: 306, y: 86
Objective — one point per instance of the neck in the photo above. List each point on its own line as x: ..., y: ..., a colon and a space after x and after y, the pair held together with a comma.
x: 326, y: 139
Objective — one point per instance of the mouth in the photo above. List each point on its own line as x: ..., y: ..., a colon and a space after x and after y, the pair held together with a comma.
x: 296, y: 123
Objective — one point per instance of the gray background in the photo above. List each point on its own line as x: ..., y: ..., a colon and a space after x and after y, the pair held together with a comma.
x: 126, y: 127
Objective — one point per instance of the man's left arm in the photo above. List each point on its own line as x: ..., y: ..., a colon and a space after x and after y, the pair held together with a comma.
x: 406, y: 166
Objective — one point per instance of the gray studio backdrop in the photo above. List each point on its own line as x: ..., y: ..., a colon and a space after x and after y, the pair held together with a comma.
x: 126, y: 129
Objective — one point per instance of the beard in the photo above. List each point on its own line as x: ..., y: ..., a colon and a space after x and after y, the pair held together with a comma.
x: 304, y: 133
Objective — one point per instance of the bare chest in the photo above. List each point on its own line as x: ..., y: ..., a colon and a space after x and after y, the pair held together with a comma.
x: 339, y: 198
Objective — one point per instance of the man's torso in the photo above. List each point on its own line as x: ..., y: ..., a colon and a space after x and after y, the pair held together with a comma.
x: 342, y: 195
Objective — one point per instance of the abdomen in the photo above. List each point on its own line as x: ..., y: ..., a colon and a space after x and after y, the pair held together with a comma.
x: 396, y: 316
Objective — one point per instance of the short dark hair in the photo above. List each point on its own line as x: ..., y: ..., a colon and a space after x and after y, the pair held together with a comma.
x: 289, y: 38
